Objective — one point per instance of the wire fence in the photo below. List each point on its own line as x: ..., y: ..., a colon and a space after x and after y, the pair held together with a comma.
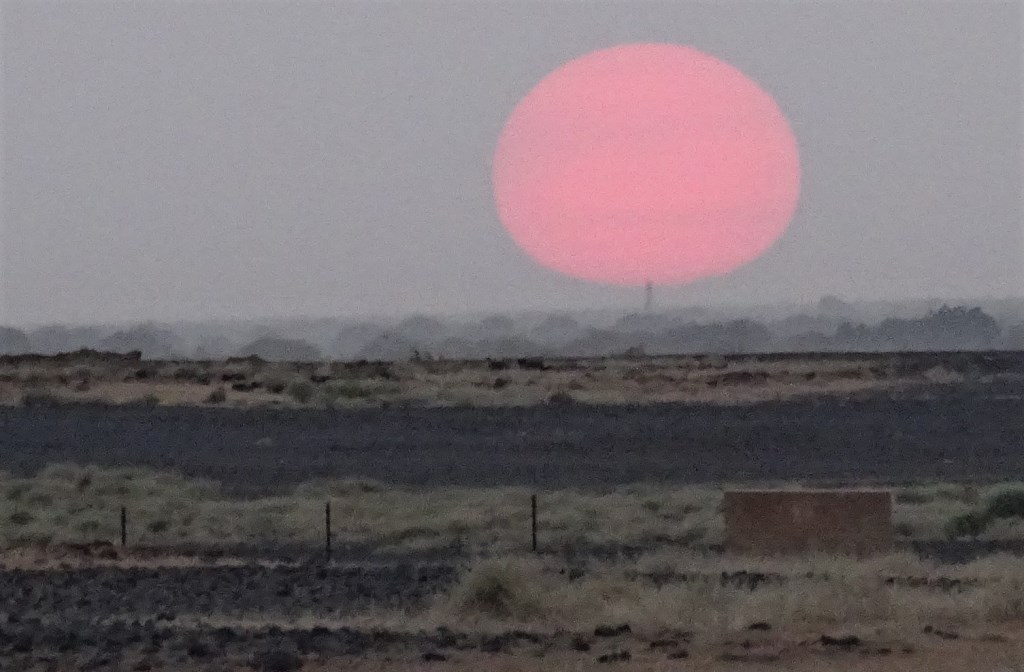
x: 125, y: 521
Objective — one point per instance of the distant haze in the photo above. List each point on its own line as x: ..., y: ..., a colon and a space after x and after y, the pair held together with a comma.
x: 187, y: 160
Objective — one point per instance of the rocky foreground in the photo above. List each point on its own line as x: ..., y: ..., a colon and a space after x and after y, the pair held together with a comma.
x: 185, y: 615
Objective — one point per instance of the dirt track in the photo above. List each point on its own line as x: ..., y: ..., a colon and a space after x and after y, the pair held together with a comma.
x: 966, y: 431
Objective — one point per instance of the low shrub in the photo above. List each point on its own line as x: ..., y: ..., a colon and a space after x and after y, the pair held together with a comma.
x: 561, y: 399
x: 301, y: 391
x: 148, y: 401
x: 332, y: 392
x: 1007, y: 504
x: 275, y: 384
x: 1003, y: 505
x: 904, y: 529
x: 970, y: 524
x: 158, y: 526
x: 501, y: 589
x: 38, y: 398
x: 21, y: 518
x: 276, y: 660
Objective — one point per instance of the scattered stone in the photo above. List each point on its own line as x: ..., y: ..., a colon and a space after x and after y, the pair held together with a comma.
x: 532, y: 364
x: 761, y: 626
x: 941, y: 634
x: 579, y: 643
x: 612, y: 630
x: 681, y: 654
x: 446, y: 639
x: 561, y: 399
x: 493, y: 644
x: 663, y: 644
x: 276, y: 660
x: 22, y: 643
x: 98, y: 662
x: 526, y: 636
x: 844, y: 641
x: 197, y: 648
x: 106, y: 552
x: 433, y: 657
x: 751, y: 656
x: 615, y: 657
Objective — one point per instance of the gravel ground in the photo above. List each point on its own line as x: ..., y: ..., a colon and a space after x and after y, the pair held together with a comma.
x: 284, y: 618
x: 150, y: 618
x: 165, y: 593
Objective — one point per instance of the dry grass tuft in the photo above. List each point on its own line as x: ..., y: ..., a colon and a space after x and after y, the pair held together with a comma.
x: 852, y: 596
x: 500, y: 589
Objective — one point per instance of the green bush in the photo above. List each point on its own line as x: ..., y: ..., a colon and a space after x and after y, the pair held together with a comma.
x: 1008, y: 504
x: 16, y: 491
x: 158, y: 526
x: 301, y: 391
x: 971, y: 524
x: 275, y: 384
x: 332, y: 392
x: 21, y: 518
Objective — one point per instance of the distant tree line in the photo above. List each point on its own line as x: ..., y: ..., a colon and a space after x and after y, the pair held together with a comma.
x: 830, y: 328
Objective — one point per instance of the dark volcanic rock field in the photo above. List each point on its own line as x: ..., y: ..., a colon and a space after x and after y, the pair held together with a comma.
x: 956, y: 432
x: 164, y: 593
x: 285, y: 618
x: 149, y: 618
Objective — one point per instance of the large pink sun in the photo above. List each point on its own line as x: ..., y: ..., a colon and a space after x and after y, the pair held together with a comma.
x: 646, y: 162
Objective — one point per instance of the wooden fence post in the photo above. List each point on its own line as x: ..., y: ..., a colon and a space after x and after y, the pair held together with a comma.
x: 533, y: 522
x: 124, y: 526
x: 327, y: 530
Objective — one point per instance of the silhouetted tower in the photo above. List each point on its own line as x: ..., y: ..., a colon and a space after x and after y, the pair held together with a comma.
x: 648, y: 296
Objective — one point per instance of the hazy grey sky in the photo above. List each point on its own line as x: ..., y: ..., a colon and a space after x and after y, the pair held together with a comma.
x: 230, y: 159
